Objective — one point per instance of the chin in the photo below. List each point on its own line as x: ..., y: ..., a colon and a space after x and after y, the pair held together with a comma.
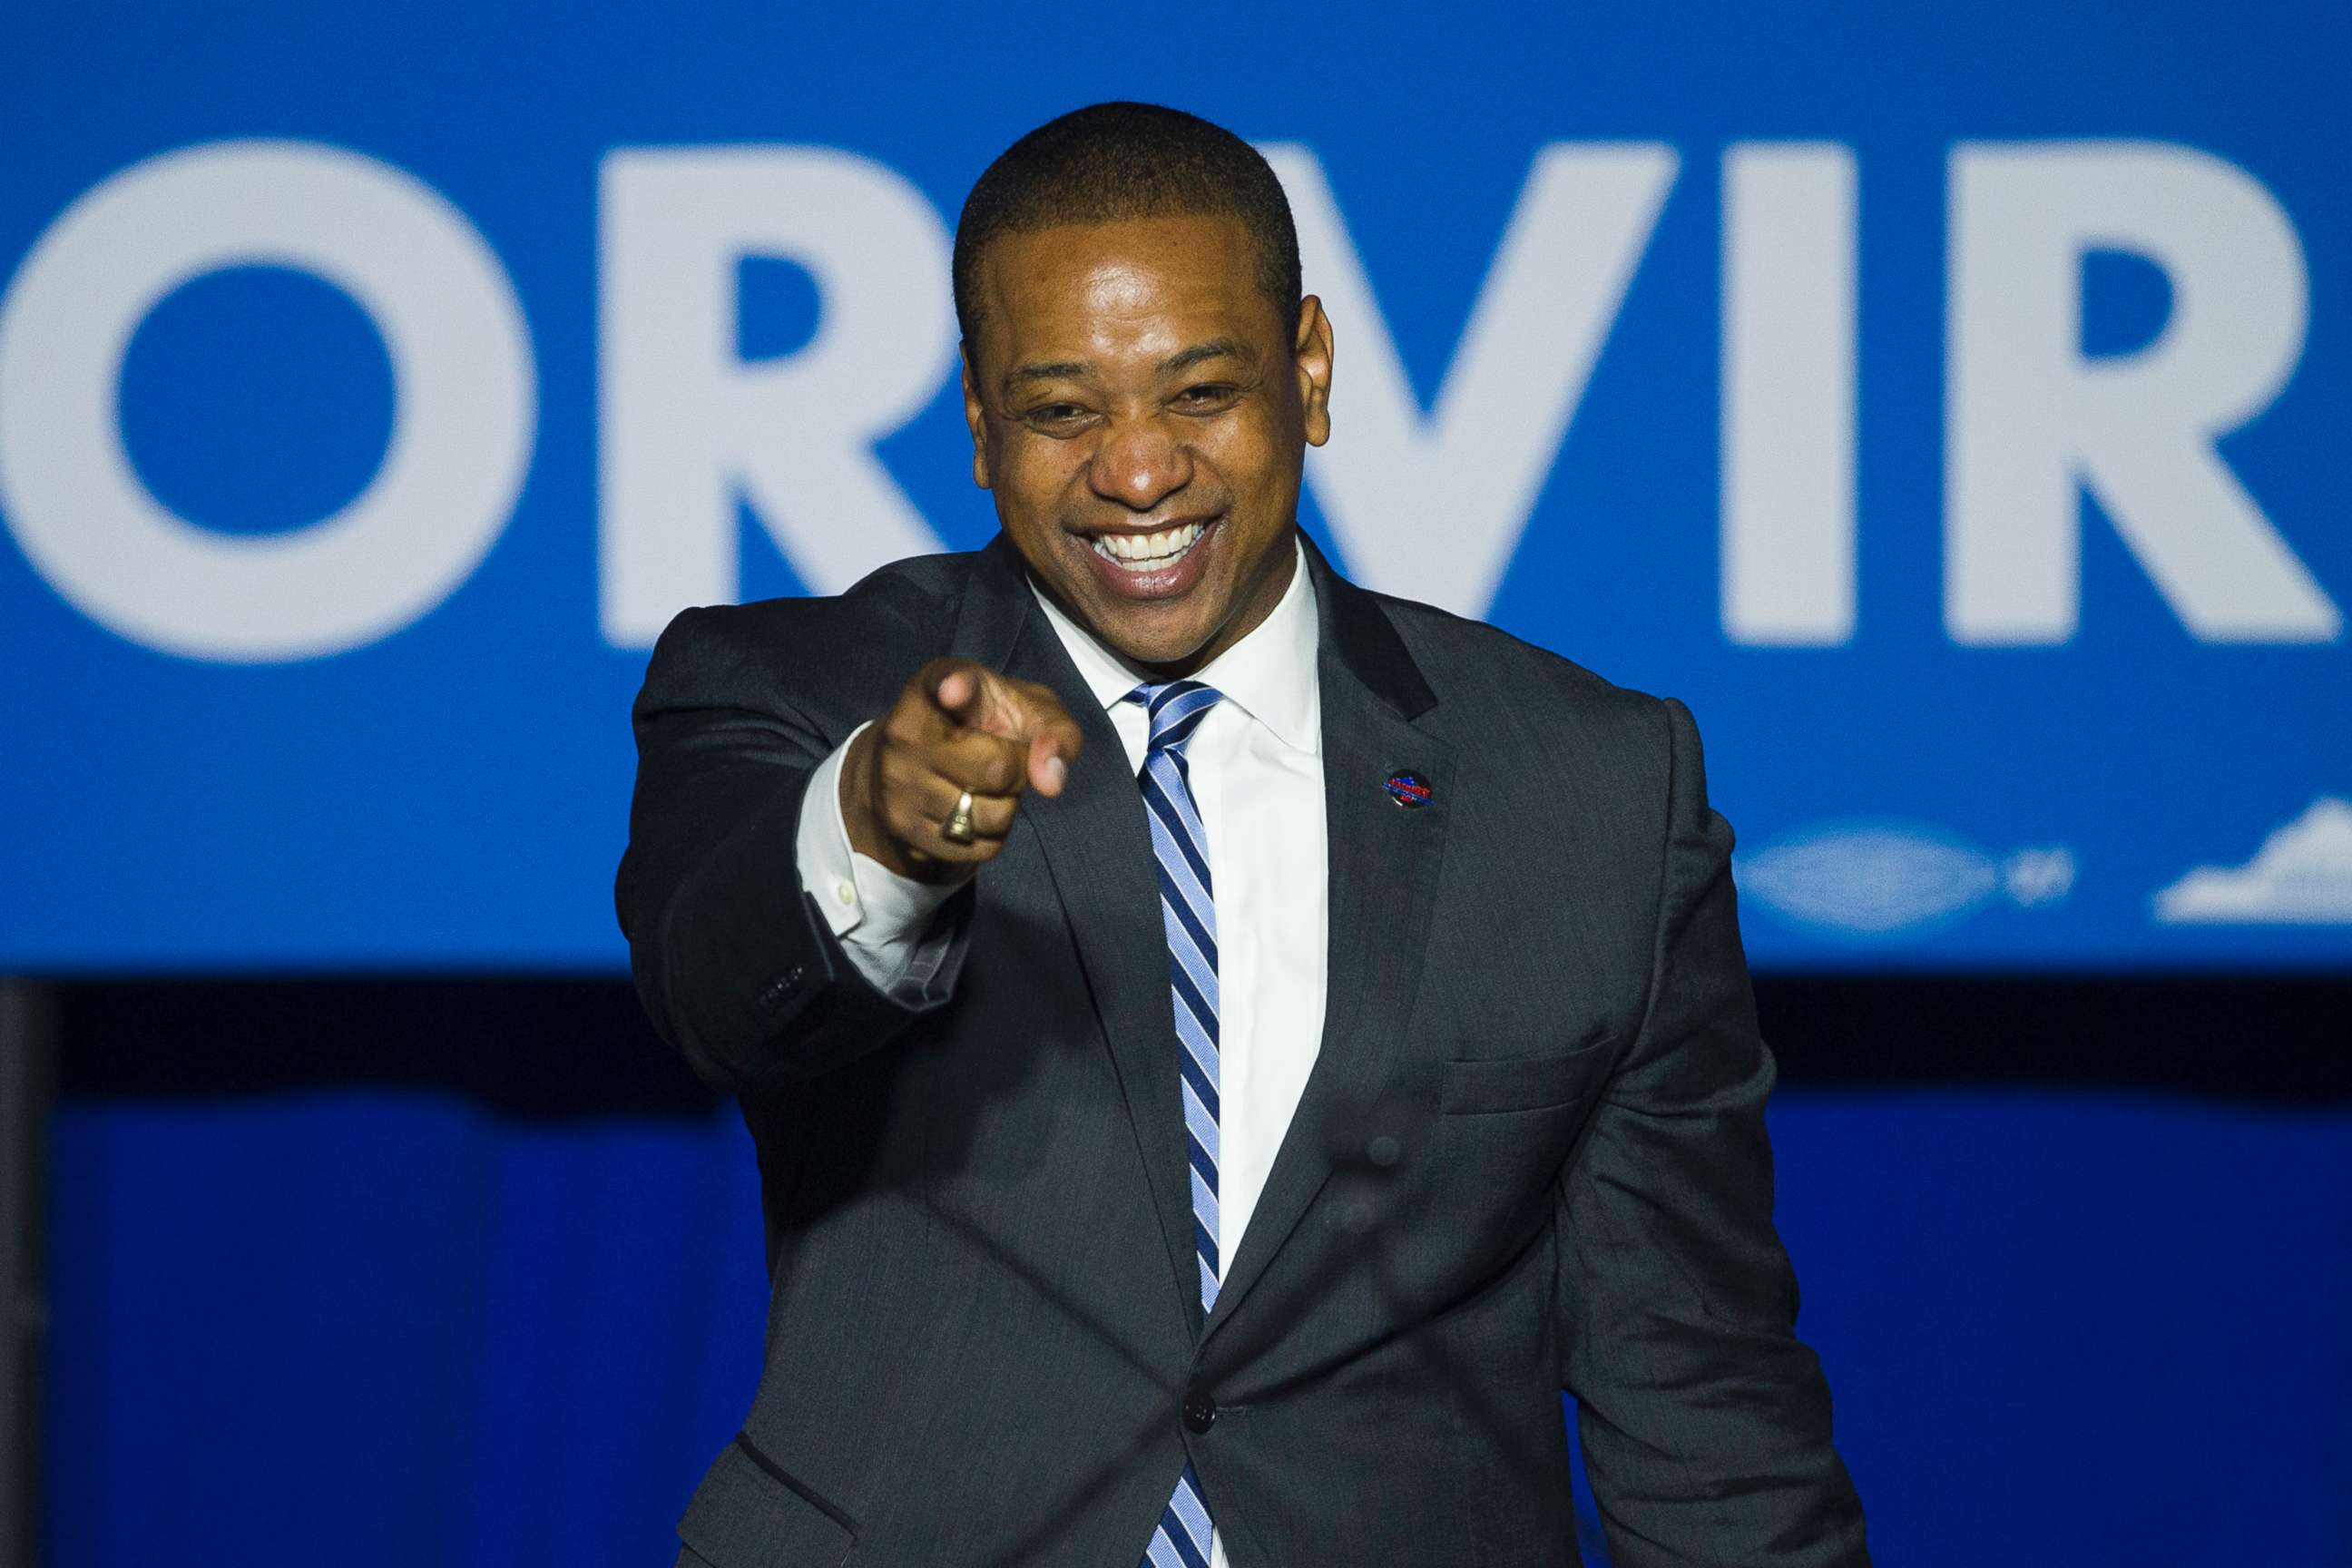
x: 1148, y: 638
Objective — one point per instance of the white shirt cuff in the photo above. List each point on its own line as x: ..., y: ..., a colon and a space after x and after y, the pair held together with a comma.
x: 881, y: 917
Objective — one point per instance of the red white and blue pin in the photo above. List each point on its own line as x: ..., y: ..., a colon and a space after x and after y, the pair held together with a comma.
x: 1408, y: 790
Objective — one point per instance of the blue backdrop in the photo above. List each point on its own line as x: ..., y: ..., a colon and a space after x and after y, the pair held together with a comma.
x: 2065, y: 1330
x: 1945, y: 401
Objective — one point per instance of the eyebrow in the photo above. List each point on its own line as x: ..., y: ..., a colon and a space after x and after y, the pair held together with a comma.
x: 1183, y: 359
x: 1215, y: 348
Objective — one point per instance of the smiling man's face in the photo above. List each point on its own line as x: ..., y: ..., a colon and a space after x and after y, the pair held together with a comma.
x: 1142, y: 413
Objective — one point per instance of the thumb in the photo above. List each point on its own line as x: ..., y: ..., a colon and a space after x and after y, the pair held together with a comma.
x: 1053, y: 736
x: 1049, y: 765
x: 978, y: 698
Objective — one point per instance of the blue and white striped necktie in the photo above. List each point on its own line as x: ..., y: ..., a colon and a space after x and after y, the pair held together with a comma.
x: 1188, y: 913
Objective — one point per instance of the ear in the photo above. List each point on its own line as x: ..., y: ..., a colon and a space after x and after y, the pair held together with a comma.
x: 975, y: 419
x: 1311, y: 349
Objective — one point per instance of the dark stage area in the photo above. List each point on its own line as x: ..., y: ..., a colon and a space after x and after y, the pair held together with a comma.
x: 547, y: 1047
x: 421, y: 1251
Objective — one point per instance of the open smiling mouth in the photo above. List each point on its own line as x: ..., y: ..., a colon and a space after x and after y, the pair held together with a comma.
x: 1149, y: 552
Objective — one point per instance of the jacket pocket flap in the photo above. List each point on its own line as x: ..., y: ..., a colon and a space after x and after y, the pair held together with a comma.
x: 1517, y: 1083
x: 748, y: 1513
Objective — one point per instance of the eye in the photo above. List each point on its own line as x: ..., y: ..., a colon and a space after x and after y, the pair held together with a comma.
x: 1207, y: 396
x: 1055, y: 416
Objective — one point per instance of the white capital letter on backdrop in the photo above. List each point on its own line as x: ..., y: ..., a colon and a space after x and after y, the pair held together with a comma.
x: 2029, y: 418
x: 687, y: 425
x: 464, y: 401
x: 1787, y: 393
x: 1434, y: 507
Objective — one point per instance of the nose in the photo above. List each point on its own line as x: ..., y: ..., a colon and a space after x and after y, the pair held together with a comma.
x: 1139, y: 465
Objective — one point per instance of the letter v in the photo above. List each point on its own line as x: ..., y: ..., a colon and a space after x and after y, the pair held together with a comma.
x: 1433, y: 506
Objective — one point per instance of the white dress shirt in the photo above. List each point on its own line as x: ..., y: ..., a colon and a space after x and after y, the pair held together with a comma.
x: 1256, y: 769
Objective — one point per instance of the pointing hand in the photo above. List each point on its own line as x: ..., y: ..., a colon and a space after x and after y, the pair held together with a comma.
x: 957, y: 726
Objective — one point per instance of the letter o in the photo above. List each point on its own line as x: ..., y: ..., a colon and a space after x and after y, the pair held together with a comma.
x: 465, y: 402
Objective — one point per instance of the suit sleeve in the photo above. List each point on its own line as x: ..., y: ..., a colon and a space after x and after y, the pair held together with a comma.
x: 737, y: 968
x: 1706, y: 1422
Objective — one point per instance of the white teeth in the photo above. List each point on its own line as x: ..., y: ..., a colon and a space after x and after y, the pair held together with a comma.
x: 1150, y: 550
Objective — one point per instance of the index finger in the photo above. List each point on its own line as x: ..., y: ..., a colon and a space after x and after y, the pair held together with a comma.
x: 957, y: 691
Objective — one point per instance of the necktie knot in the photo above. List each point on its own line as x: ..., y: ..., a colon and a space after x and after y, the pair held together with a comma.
x: 1176, y: 709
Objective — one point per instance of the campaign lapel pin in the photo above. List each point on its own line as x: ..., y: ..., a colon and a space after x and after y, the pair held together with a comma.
x: 1408, y: 790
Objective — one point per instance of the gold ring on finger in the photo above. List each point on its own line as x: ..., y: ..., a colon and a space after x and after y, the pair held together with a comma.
x: 957, y: 828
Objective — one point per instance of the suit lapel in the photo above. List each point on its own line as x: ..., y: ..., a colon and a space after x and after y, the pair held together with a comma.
x: 1384, y: 871
x: 1097, y: 849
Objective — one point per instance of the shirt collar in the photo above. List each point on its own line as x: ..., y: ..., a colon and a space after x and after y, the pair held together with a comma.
x: 1269, y: 674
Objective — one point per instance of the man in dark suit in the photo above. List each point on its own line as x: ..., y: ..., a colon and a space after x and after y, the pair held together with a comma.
x: 1224, y: 1047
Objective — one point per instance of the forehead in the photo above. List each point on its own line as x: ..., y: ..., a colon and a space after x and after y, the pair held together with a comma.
x: 1138, y: 286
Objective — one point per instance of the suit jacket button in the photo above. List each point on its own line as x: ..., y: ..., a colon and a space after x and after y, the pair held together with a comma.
x: 1200, y: 1410
x: 782, y: 985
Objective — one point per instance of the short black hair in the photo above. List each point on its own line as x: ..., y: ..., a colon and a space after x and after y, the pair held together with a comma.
x: 1109, y: 162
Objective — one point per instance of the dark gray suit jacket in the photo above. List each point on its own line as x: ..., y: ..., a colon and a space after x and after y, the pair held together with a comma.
x: 1531, y: 1155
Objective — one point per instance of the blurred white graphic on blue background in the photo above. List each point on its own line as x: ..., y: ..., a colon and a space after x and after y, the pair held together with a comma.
x: 1893, y: 880
x: 2301, y: 874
